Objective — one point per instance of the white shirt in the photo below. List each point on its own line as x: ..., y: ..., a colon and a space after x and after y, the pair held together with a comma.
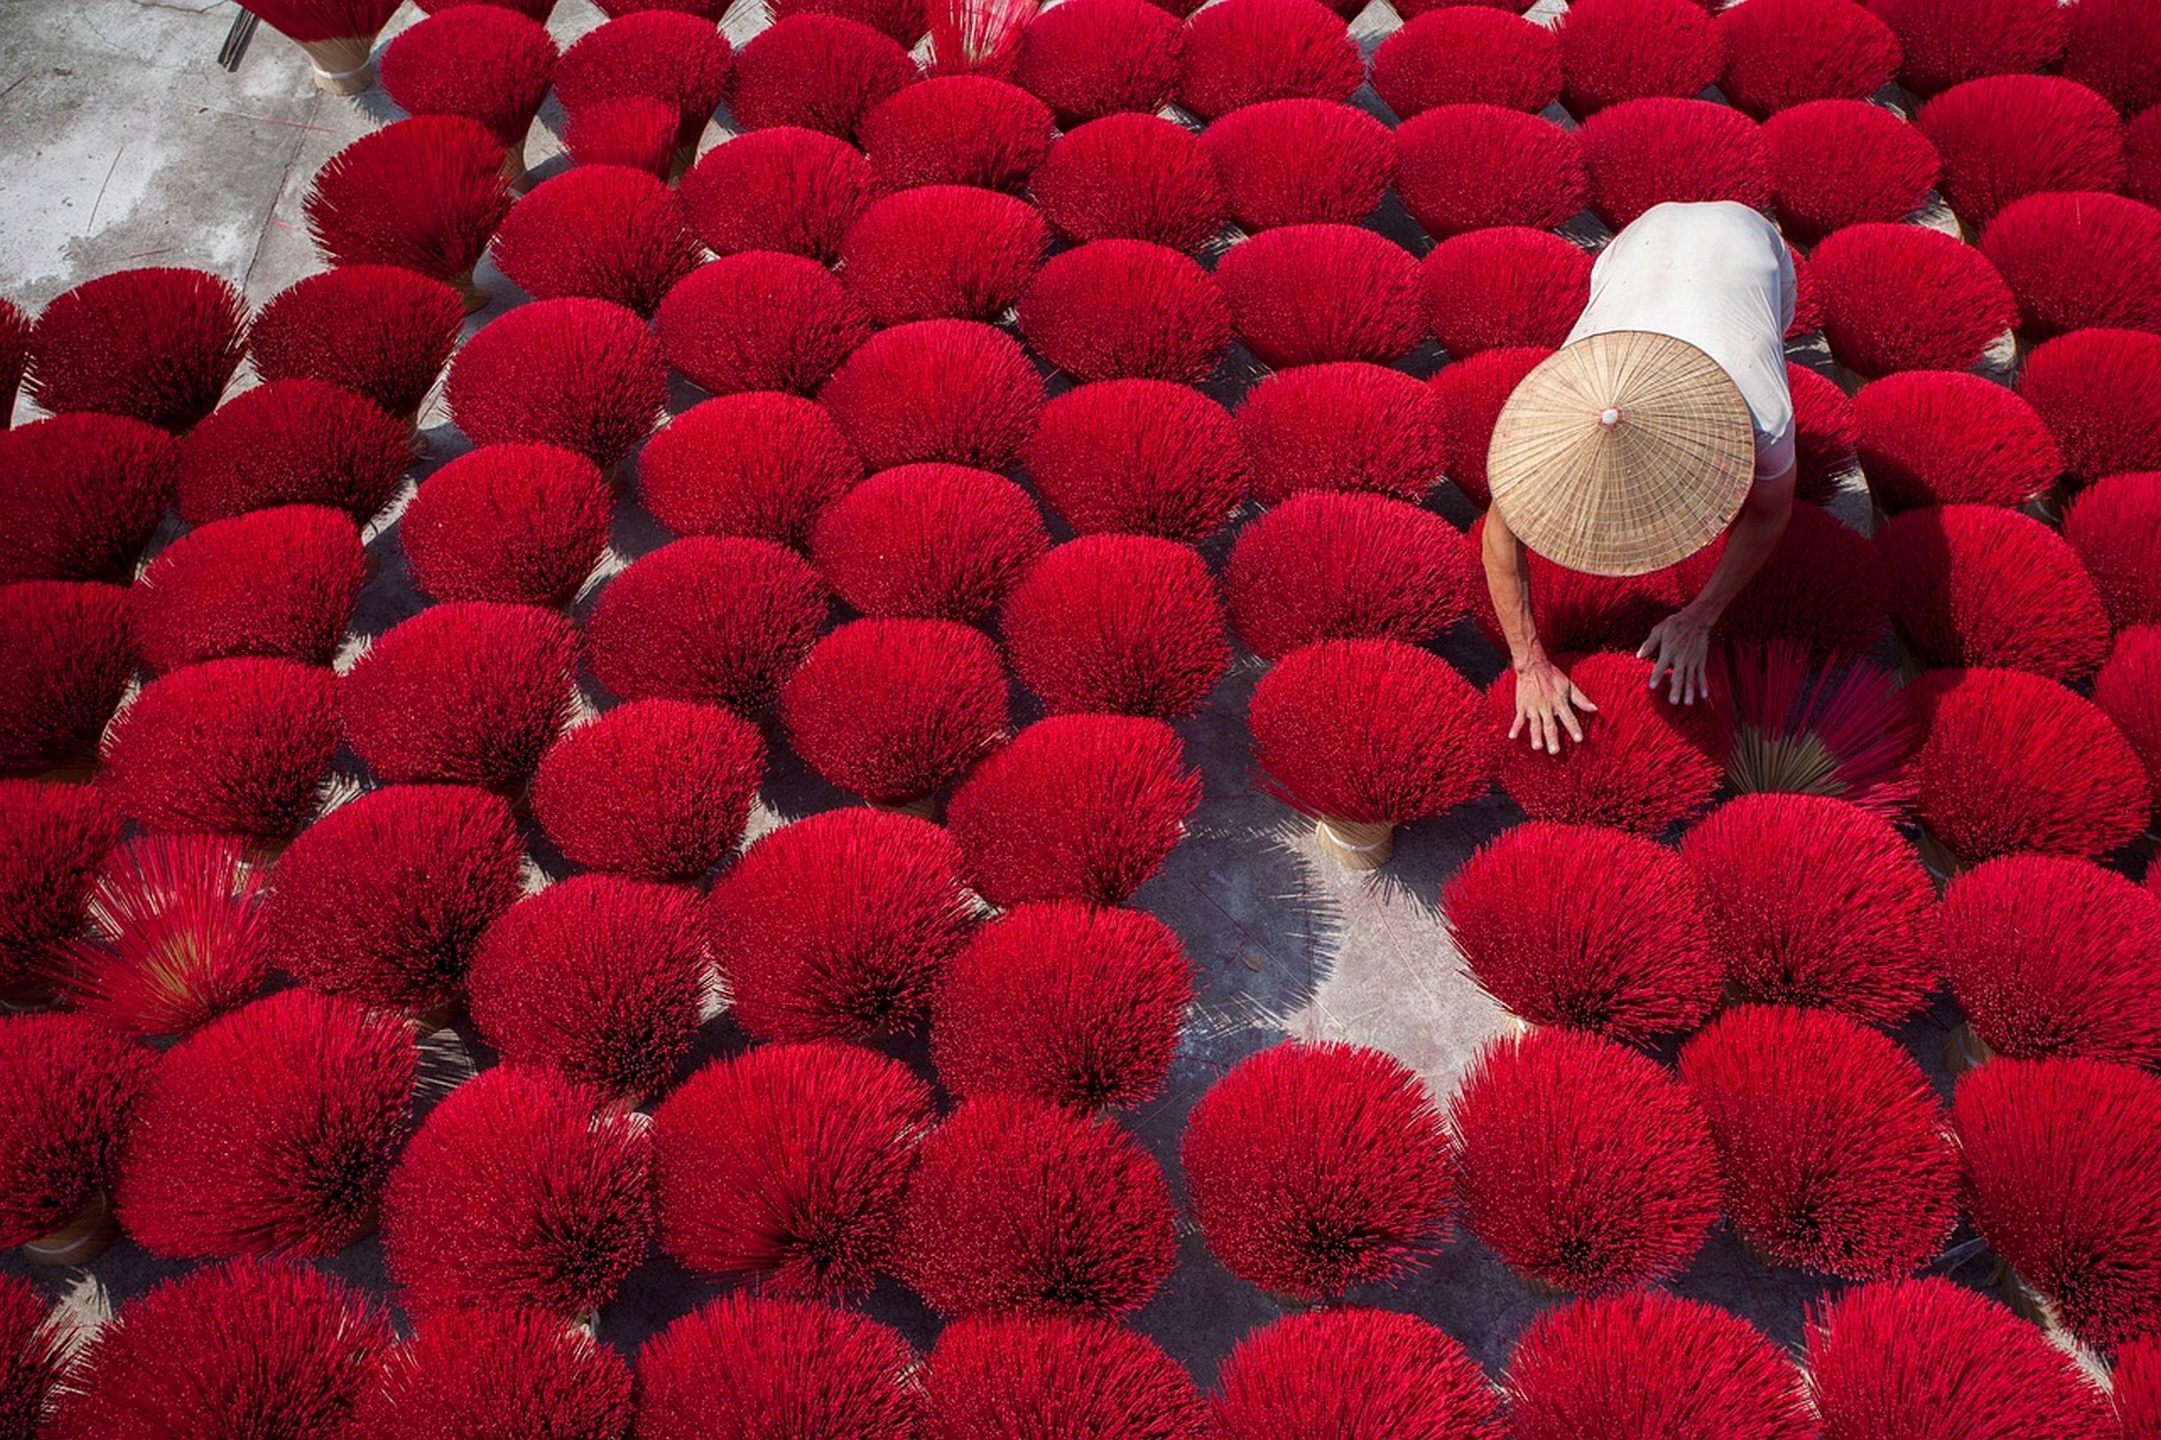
x: 1717, y: 275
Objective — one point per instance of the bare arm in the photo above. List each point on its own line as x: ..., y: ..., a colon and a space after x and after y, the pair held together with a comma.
x: 1679, y: 646
x: 1546, y: 700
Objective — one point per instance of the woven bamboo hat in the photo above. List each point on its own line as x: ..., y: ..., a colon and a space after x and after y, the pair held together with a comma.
x: 1622, y: 453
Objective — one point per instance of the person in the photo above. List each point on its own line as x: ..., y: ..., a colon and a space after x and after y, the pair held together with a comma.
x: 1663, y: 422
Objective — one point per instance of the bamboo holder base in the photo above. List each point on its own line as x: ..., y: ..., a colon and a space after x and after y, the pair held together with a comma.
x: 343, y: 65
x: 515, y: 174
x: 1355, y: 844
x: 81, y: 1240
x: 2025, y: 1301
x: 1963, y: 1050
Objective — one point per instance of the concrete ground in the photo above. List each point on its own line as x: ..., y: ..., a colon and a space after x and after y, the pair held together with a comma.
x: 125, y: 144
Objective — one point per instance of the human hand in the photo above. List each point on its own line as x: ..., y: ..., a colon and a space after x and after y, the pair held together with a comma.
x: 1546, y: 705
x: 1678, y: 648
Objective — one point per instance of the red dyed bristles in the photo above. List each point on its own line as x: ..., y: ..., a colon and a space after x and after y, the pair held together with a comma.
x: 1941, y: 437
x: 603, y: 232
x: 497, y: 1375
x: 958, y: 130
x: 2113, y: 49
x: 760, y: 320
x: 787, y: 189
x: 2008, y: 136
x: 1823, y: 435
x: 378, y: 330
x: 718, y: 621
x: 1087, y: 59
x: 654, y: 789
x: 65, y: 648
x: 1468, y: 55
x: 1082, y: 807
x: 1984, y: 585
x: 14, y: 356
x: 1125, y: 624
x: 1130, y: 177
x: 2099, y: 393
x: 1583, y: 1164
x: 1126, y: 309
x: 2061, y: 1179
x: 947, y: 390
x: 1342, y: 567
x: 385, y: 898
x: 939, y: 542
x: 1947, y: 41
x: 34, y: 1351
x: 292, y: 442
x: 2010, y: 761
x: 176, y: 937
x: 1833, y: 1146
x: 989, y: 1379
x: 520, y: 1189
x: 1649, y: 1363
x: 1021, y: 1206
x: 1791, y: 52
x: 255, y: 1347
x: 423, y: 194
x: 757, y: 465
x: 636, y: 130
x: 1579, y: 612
x: 1139, y: 457
x: 484, y: 62
x: 838, y: 925
x: 1643, y: 762
x: 1617, y: 50
x: 1352, y: 1372
x: 1585, y: 927
x: 1305, y: 294
x: 85, y: 493
x: 71, y: 1091
x: 1300, y: 162
x: 312, y: 20
x: 53, y: 842
x: 904, y: 20
x: 236, y: 747
x: 1836, y: 163
x: 1248, y: 51
x: 1788, y: 601
x: 1347, y: 426
x: 279, y: 582
x: 523, y: 524
x: 942, y: 252
x: 2112, y: 284
x: 271, y: 1129
x: 537, y: 9
x: 583, y: 374
x: 469, y: 692
x: 2128, y: 690
x: 819, y: 72
x: 1904, y: 297
x: 2135, y: 1387
x: 975, y: 37
x: 787, y: 1165
x: 1468, y: 167
x: 1492, y: 289
x: 744, y: 1363
x: 1845, y: 732
x: 1927, y: 1357
x: 1468, y: 396
x: 156, y: 345
x: 1642, y: 153
x: 657, y: 54
x: 2055, y: 957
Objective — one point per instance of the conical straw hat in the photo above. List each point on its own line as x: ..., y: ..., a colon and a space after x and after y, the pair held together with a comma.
x: 1622, y: 454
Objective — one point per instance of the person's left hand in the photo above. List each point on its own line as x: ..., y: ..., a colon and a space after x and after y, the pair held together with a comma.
x: 1678, y: 647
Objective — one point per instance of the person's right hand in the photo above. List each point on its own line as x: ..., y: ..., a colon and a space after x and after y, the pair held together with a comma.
x: 1546, y: 705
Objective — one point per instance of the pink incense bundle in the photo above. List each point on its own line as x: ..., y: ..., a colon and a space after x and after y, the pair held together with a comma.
x: 1649, y: 1364
x: 1787, y: 600
x: 1130, y: 177
x: 522, y: 524
x: 292, y: 442
x: 818, y: 72
x: 838, y: 925
x: 236, y: 747
x: 520, y: 1189
x: 2114, y: 524
x: 1582, y: 1163
x: 760, y: 320
x: 1055, y: 1375
x: 484, y: 62
x: 2048, y: 956
x: 1313, y: 1167
x: 1468, y: 55
x: 65, y: 648
x: 2096, y: 390
x: 54, y: 839
x: 1618, y: 50
x: 602, y: 232
x: 2060, y: 1179
x: 1647, y: 152
x: 731, y: 1366
x: 14, y: 356
x: 73, y: 1091
x: 788, y: 1165
x: 1823, y: 435
x: 1979, y: 585
x: 1904, y: 297
x: 935, y: 542
x: 1947, y: 41
x: 900, y: 19
x: 1087, y: 59
x: 662, y: 55
x: 86, y: 492
x: 636, y: 130
x: 1579, y: 612
x: 760, y: 465
x: 654, y: 789
x: 1813, y: 901
x: 1586, y: 928
x: 1945, y: 437
x: 497, y: 1375
x: 279, y: 582
x: 1510, y: 286
x: 716, y: 621
x: 1065, y: 1002
x: 1643, y: 763
x: 1126, y: 310
x: 1325, y: 566
x: 1833, y: 1146
x: 895, y: 710
x: 942, y: 252
x: 944, y: 390
x: 1139, y: 457
x: 2135, y: 1387
x: 269, y: 1130
x: 2008, y: 136
x: 786, y: 188
x: 2112, y: 283
x: 1470, y: 166
x: 1306, y: 294
x: 157, y: 345
x: 1247, y: 51
x: 34, y: 1353
x: 469, y: 692
x: 338, y: 37
x: 1346, y: 426
x: 1468, y: 396
x: 423, y: 194
x: 582, y: 374
x: 533, y: 9
x: 1123, y: 624
x: 1836, y: 163
x: 2113, y: 49
x: 1080, y: 807
x: 958, y: 130
x: 385, y: 898
x: 1794, y: 52
x: 1352, y: 1372
x: 1019, y: 1206
x: 2126, y: 690
x: 1300, y: 162
x: 378, y: 330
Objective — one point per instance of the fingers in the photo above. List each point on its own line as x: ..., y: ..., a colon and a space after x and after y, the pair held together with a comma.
x: 1650, y: 643
x: 1570, y: 723
x: 1517, y: 728
x: 1581, y: 701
